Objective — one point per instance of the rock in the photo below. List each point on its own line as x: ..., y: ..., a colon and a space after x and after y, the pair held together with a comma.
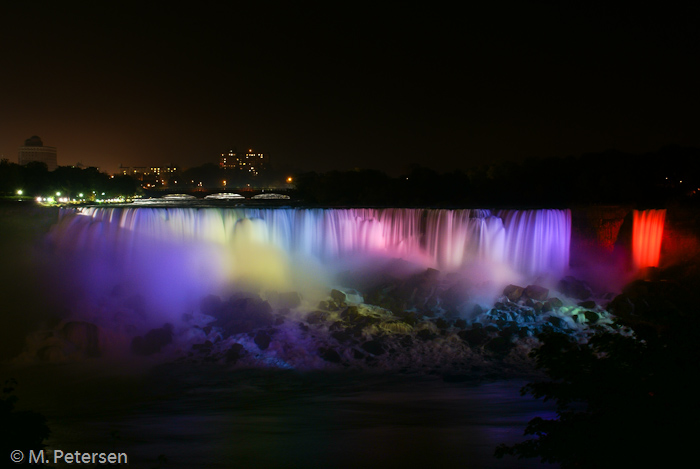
x: 441, y: 323
x: 153, y: 341
x: 262, y: 340
x: 234, y: 353
x: 351, y: 314
x: 408, y: 317
x: 243, y: 314
x: 474, y: 337
x: 555, y: 302
x: 84, y: 336
x: 557, y: 322
x: 513, y: 292
x: 338, y: 296
x: 536, y: 292
x: 329, y: 355
x: 590, y: 304
x: 499, y: 345
x: 342, y: 337
x: 374, y: 347
x: 317, y: 317
x: 591, y: 316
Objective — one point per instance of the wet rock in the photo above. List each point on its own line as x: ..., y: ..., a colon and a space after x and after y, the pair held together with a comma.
x: 460, y: 323
x: 590, y: 304
x: 153, y: 341
x: 338, y: 296
x: 513, y: 292
x: 557, y: 322
x: 323, y: 304
x: 591, y: 316
x: 262, y: 340
x: 536, y: 292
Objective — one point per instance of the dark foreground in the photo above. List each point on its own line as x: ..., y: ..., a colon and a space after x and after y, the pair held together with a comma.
x: 194, y: 416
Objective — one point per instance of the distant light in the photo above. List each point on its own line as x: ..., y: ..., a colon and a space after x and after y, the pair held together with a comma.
x: 289, y: 179
x: 20, y: 192
x: 58, y: 193
x: 80, y: 195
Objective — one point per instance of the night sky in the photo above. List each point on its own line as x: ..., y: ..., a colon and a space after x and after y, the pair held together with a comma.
x: 334, y: 85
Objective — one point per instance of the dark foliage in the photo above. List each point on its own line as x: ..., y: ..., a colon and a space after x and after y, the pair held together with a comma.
x: 668, y: 175
x: 35, y: 179
x: 625, y: 398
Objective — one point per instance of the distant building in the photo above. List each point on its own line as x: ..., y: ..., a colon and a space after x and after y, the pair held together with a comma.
x: 34, y: 150
x: 250, y: 162
x: 153, y: 176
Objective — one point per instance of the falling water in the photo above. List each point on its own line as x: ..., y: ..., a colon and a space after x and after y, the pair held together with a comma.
x: 174, y: 256
x: 648, y: 229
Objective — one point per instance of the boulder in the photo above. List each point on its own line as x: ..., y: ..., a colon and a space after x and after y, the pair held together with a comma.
x: 536, y: 292
x: 513, y: 292
x: 338, y: 296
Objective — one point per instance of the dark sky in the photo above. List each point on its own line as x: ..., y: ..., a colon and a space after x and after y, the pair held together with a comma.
x: 339, y: 85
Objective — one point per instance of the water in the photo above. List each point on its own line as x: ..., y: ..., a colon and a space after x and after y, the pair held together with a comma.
x: 207, y: 418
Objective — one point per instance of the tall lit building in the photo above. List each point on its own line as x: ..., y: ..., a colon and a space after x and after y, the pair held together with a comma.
x: 250, y: 162
x: 34, y: 150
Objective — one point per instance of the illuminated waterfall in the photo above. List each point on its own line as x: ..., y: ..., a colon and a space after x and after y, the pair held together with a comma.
x: 174, y: 256
x: 648, y: 229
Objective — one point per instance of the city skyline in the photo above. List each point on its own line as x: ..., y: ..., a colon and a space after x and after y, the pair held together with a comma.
x: 381, y: 89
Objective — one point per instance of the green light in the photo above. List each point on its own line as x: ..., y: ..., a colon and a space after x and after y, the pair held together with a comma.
x: 20, y: 192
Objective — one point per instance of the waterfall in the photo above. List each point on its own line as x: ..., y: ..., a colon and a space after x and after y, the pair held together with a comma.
x: 647, y: 233
x: 529, y: 241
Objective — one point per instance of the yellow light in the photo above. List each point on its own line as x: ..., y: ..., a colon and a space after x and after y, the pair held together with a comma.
x: 289, y: 179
